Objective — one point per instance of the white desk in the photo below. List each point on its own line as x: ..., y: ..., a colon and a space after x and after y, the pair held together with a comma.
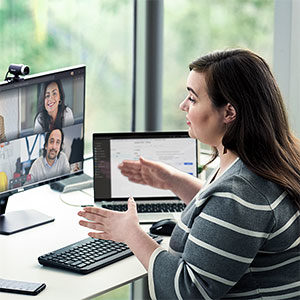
x: 19, y: 252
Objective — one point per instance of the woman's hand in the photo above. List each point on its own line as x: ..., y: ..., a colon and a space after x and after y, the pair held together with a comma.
x: 120, y: 227
x: 111, y: 225
x: 163, y: 176
x: 143, y: 171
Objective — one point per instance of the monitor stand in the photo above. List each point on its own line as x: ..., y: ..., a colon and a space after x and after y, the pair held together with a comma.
x: 16, y: 221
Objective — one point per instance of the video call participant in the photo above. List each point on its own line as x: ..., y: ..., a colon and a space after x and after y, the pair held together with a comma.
x: 239, y: 236
x: 2, y: 130
x: 53, y: 113
x: 53, y: 162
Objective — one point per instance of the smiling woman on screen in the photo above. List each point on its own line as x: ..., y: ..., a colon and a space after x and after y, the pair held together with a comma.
x: 53, y: 113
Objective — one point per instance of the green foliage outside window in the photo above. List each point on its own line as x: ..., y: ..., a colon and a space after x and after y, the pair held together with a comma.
x: 196, y: 27
x: 47, y: 35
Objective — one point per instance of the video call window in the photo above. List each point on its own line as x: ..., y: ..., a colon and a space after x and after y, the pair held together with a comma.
x: 41, y: 127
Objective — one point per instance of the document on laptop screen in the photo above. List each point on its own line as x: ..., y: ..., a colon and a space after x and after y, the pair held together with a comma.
x: 173, y: 152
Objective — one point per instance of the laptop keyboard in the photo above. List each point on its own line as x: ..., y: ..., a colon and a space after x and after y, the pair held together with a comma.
x: 149, y: 208
x: 88, y: 255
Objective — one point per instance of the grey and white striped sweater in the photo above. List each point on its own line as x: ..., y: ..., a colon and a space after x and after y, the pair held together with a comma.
x: 239, y: 238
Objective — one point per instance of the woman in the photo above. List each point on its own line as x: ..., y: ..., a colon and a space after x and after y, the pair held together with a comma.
x: 53, y: 113
x: 239, y: 236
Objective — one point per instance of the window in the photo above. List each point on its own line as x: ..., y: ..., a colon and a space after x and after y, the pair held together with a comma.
x: 52, y: 34
x: 195, y: 27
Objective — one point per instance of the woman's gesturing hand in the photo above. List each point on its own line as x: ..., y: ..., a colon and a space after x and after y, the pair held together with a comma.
x: 111, y: 225
x: 143, y: 171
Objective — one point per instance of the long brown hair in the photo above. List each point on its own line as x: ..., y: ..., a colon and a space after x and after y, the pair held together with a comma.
x: 260, y: 134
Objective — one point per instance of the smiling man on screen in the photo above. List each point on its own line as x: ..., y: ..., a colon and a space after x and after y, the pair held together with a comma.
x: 53, y: 162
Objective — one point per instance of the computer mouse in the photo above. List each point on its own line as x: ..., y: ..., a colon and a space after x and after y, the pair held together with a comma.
x: 163, y: 227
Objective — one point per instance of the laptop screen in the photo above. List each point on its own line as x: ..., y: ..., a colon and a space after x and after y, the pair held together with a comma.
x: 173, y: 148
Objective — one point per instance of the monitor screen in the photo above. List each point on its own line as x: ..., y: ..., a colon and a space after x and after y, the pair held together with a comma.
x: 41, y: 129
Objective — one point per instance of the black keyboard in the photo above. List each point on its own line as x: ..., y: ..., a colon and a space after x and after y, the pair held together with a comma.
x: 88, y: 255
x: 149, y: 208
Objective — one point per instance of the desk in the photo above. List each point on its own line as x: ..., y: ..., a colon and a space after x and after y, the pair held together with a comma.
x: 19, y: 252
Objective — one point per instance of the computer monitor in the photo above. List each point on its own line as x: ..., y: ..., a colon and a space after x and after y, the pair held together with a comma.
x: 41, y: 137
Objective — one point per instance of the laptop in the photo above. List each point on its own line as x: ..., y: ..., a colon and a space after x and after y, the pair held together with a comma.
x: 112, y: 189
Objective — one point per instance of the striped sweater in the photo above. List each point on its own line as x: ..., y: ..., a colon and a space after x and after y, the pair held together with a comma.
x: 237, y: 239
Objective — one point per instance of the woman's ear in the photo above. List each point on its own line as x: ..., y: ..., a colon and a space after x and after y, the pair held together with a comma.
x: 229, y: 113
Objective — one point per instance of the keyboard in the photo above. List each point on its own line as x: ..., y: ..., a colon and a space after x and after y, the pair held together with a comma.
x: 149, y: 207
x: 88, y: 255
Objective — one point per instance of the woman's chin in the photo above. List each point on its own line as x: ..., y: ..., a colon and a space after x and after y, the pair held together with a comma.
x: 50, y: 110
x: 191, y: 134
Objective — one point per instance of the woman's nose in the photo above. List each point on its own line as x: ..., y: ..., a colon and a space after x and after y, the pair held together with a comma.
x: 183, y: 105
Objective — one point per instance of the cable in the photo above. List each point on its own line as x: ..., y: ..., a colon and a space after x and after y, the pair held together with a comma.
x: 75, y: 205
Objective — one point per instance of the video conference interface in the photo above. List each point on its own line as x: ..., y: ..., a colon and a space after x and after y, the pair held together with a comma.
x: 41, y: 128
x: 109, y: 153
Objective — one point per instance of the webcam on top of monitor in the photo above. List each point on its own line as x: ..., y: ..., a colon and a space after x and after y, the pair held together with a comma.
x: 17, y: 70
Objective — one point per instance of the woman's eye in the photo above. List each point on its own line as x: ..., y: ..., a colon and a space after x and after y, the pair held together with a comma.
x: 191, y: 100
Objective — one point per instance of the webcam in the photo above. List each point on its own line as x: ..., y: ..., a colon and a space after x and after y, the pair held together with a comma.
x: 16, y: 70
